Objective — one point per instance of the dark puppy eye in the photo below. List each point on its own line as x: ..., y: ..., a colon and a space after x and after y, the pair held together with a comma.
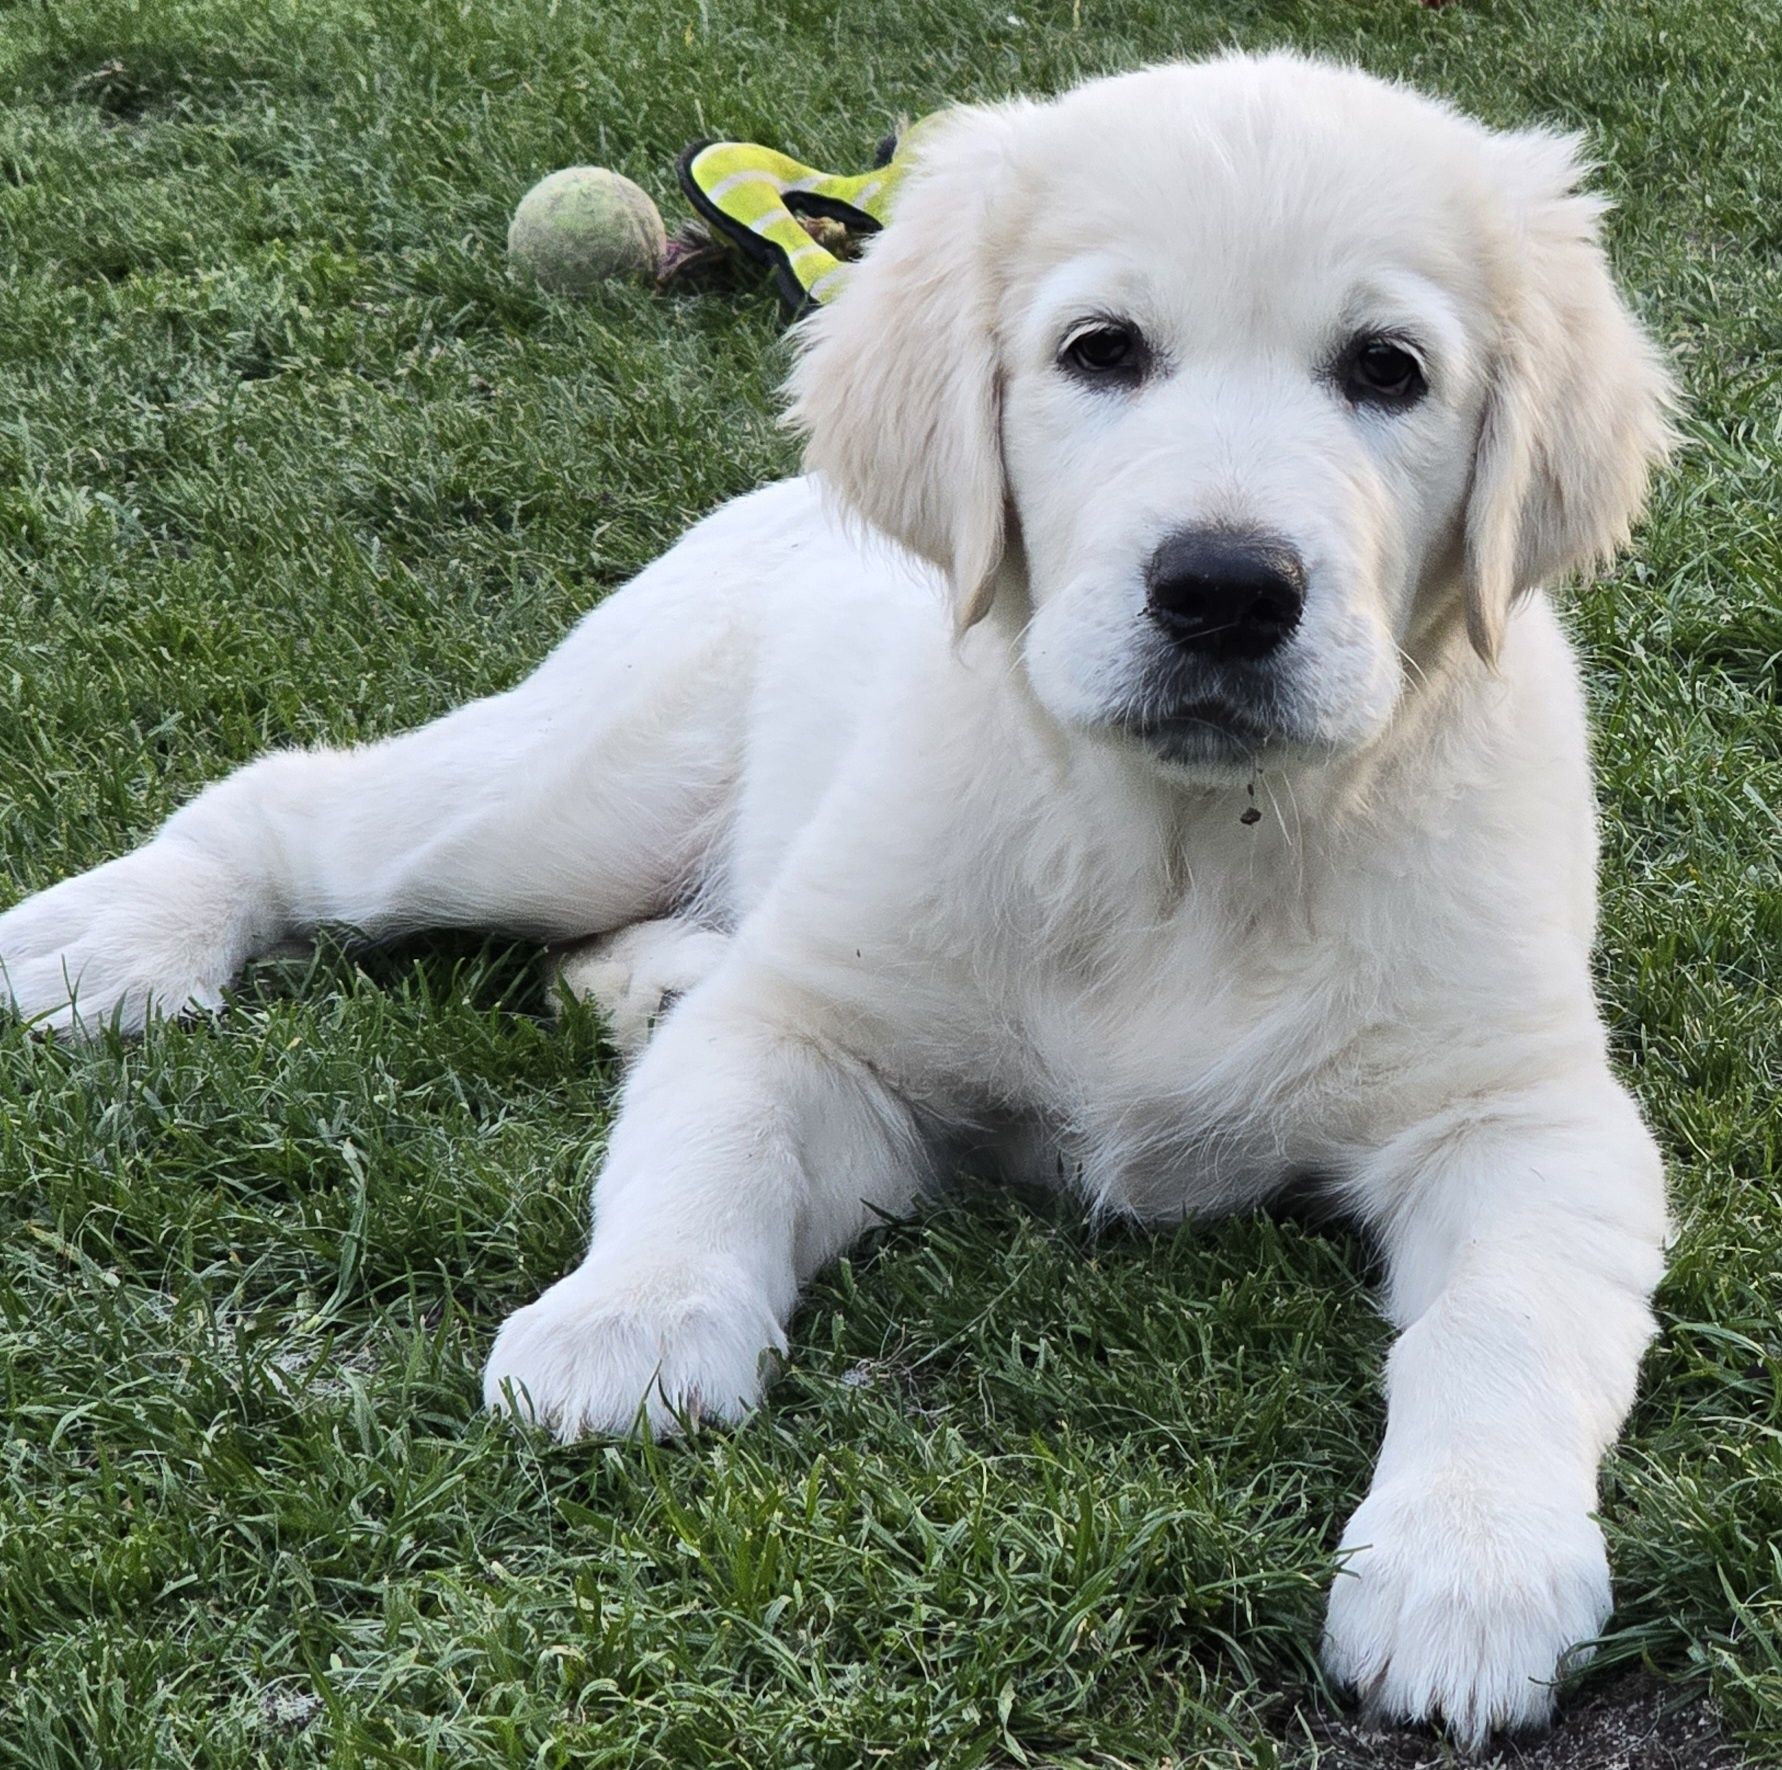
x: 1382, y: 372
x: 1105, y: 350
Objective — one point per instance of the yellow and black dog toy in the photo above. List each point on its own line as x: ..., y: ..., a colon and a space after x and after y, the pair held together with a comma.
x: 802, y: 224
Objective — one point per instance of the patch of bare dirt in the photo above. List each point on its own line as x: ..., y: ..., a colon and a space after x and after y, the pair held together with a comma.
x: 1632, y: 1722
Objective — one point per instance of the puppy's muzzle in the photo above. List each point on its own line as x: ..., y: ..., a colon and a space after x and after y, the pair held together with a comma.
x: 1225, y: 594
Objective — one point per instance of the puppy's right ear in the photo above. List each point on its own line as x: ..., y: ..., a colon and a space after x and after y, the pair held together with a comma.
x: 897, y: 386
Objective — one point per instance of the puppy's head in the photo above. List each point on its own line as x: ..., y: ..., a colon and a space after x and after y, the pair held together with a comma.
x: 1243, y: 379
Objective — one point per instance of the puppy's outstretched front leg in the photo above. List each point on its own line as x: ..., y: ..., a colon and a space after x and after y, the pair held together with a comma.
x: 749, y: 1150
x: 1523, y: 1236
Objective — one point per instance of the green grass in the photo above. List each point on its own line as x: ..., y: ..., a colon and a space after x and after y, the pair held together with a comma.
x: 283, y: 457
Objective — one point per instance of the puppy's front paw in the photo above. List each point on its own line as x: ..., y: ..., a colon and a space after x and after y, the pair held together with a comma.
x: 673, y: 1336
x: 1464, y: 1601
x: 157, y: 932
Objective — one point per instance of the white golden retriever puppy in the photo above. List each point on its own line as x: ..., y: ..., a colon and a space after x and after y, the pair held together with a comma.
x: 1132, y: 756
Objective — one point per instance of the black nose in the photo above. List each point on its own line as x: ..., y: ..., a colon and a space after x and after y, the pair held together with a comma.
x: 1226, y: 593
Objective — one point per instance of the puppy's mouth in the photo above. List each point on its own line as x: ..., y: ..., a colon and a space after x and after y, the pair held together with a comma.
x: 1206, y: 731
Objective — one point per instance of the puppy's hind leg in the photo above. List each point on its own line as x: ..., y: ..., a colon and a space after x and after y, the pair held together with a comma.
x: 583, y: 800
x: 636, y: 975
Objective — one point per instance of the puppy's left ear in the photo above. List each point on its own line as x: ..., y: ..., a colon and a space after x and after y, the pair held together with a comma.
x: 898, y: 386
x: 1576, y: 414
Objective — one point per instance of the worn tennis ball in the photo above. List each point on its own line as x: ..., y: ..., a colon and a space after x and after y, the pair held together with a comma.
x: 583, y: 225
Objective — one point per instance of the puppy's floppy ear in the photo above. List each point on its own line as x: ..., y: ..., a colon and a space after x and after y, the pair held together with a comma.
x: 897, y: 385
x: 1575, y: 416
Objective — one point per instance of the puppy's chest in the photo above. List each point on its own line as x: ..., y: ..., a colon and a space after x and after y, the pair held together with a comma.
x: 1186, y: 1078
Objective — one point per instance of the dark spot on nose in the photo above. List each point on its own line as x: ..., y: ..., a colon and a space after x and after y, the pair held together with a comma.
x: 1225, y: 592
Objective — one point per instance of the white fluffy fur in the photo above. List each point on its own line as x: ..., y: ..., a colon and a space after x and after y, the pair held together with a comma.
x: 917, y: 894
